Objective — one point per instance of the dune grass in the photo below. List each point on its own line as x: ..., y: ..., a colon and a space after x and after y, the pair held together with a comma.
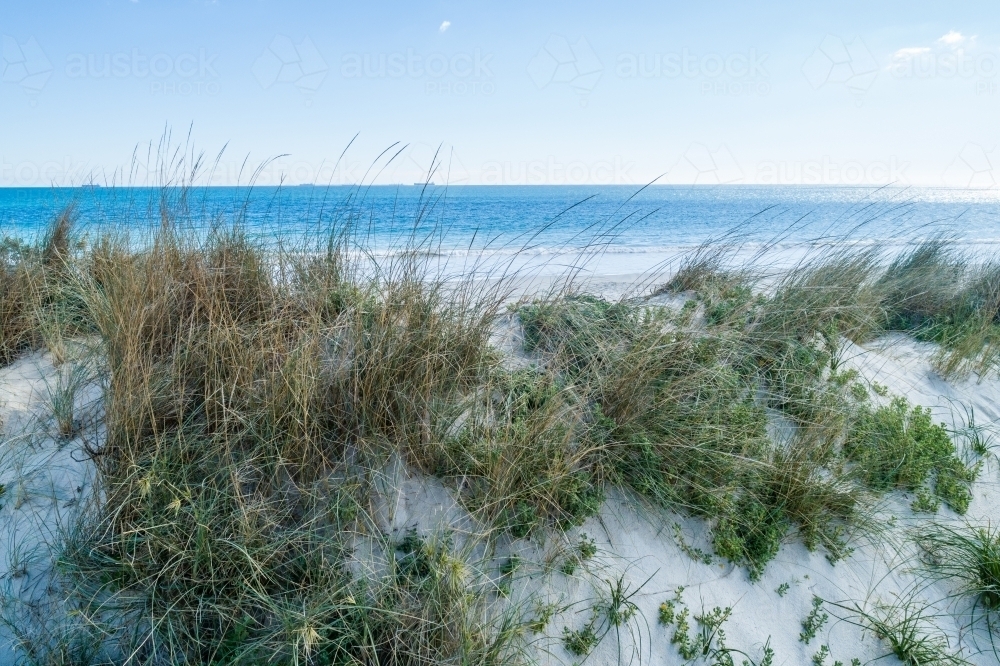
x: 940, y: 295
x: 18, y: 295
x: 909, y: 630
x: 968, y: 555
x: 674, y: 415
x: 254, y: 394
x: 35, y: 307
x: 245, y: 416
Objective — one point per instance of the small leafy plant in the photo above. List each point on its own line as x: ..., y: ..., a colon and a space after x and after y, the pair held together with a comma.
x: 706, y: 642
x: 543, y: 614
x: 583, y: 551
x: 819, y: 658
x: 696, y: 554
x: 580, y: 642
x: 814, y: 621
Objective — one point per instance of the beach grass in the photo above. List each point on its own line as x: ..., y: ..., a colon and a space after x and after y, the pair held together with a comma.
x: 255, y: 394
x: 968, y: 555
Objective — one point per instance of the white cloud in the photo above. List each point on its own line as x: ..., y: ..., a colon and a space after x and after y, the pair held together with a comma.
x: 953, y: 38
x: 910, y: 52
x: 445, y: 26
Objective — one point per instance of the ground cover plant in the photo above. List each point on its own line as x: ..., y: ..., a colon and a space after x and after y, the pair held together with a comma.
x: 705, y: 642
x: 895, y: 445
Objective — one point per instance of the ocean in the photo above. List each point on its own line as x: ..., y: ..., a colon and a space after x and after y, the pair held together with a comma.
x: 622, y: 229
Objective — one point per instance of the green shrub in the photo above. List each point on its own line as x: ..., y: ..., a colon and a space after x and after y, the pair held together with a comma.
x: 751, y: 534
x: 580, y: 642
x: 895, y: 446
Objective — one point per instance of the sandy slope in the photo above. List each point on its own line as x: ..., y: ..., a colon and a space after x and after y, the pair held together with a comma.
x: 46, y: 477
x: 640, y: 545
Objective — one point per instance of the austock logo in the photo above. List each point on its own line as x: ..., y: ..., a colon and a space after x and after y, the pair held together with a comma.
x: 701, y: 165
x: 184, y: 74
x: 462, y: 73
x: 24, y: 64
x: 730, y: 74
x: 975, y: 167
x: 284, y: 62
x: 561, y: 62
x: 836, y: 62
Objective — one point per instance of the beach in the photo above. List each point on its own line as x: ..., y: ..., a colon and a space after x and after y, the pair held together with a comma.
x: 555, y: 467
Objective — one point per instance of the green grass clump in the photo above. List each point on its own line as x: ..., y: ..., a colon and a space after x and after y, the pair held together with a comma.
x: 32, y: 287
x: 578, y: 328
x: 235, y: 574
x: 252, y: 398
x: 896, y: 446
x: 942, y: 296
x: 923, y: 284
x: 968, y: 555
x: 519, y: 458
x: 674, y: 415
x: 909, y: 632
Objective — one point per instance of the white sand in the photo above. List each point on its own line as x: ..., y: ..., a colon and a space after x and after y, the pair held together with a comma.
x: 45, y: 477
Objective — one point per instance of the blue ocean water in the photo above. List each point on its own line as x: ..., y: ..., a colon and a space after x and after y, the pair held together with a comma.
x: 632, y: 228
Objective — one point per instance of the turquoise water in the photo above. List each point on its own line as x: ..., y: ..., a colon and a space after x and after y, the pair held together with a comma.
x: 633, y: 228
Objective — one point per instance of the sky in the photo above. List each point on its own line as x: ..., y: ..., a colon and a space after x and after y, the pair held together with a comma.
x: 511, y: 93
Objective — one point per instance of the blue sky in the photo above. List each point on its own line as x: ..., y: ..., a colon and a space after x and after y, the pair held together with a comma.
x: 513, y: 92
